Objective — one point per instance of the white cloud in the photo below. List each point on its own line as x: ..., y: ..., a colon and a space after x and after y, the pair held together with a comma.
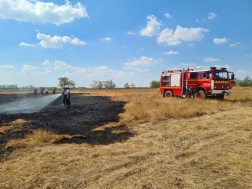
x: 181, y: 34
x: 141, y: 49
x: 137, y: 69
x: 152, y: 28
x: 183, y: 65
x: 46, y: 63
x: 224, y: 66
x: 76, y: 41
x: 168, y: 15
x: 204, y: 19
x: 191, y: 44
x: 232, y: 45
x: 211, y: 59
x: 56, y: 41
x: 26, y: 44
x: 128, y: 67
x: 47, y: 68
x: 130, y: 33
x: 219, y: 41
x: 5, y: 66
x: 105, y: 71
x: 142, y: 61
x: 171, y: 52
x: 106, y: 39
x: 249, y: 55
x: 243, y: 72
x: 188, y: 64
x: 59, y: 65
x: 197, y: 20
x: 45, y: 72
x: 211, y: 15
x: 37, y: 11
x: 27, y: 68
x: 141, y: 70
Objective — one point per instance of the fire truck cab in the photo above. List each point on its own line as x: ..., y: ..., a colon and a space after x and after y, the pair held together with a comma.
x: 200, y: 84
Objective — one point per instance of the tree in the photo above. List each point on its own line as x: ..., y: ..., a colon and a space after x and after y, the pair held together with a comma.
x: 246, y: 82
x: 95, y: 84
x: 133, y: 85
x: 109, y: 84
x: 71, y: 84
x: 64, y: 81
x: 237, y: 82
x: 126, y: 85
x: 154, y: 84
x: 100, y: 85
x: 31, y: 87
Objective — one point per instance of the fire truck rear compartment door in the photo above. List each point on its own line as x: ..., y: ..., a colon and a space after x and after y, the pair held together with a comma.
x: 175, y: 80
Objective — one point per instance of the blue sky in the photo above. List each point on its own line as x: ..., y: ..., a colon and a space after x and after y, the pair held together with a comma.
x: 127, y: 41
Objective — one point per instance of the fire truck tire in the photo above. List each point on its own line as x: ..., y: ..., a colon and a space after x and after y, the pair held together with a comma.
x: 200, y: 95
x: 168, y: 94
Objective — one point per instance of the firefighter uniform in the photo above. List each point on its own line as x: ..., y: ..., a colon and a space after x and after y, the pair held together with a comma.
x: 68, y: 98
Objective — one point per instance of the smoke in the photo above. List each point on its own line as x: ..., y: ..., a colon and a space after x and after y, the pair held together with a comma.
x: 28, y: 105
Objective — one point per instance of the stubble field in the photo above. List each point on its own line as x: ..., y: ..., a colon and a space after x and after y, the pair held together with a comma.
x: 135, y: 139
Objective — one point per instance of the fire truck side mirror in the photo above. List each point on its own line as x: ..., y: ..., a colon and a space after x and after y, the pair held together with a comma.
x: 232, y: 76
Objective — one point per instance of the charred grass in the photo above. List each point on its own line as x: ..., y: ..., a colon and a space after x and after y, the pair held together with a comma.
x: 178, y: 143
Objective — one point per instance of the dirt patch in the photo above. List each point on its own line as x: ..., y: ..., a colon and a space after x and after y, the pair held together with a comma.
x: 94, y: 112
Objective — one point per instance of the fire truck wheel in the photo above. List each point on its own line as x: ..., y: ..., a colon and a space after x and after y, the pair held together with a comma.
x: 200, y: 95
x: 168, y: 94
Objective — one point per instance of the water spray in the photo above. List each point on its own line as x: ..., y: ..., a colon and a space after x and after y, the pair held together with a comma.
x: 27, y: 105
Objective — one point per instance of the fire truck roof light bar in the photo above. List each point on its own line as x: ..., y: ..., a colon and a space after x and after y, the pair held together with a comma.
x: 180, y: 70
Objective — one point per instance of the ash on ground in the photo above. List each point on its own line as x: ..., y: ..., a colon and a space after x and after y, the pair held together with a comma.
x: 94, y: 112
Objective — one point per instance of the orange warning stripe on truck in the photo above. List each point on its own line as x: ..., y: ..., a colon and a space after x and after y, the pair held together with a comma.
x: 221, y: 82
x: 170, y: 87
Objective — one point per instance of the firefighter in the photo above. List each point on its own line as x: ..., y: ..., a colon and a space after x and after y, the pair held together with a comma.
x: 64, y: 96
x: 41, y: 90
x: 68, y: 98
x: 54, y: 90
x: 35, y: 91
x: 46, y: 90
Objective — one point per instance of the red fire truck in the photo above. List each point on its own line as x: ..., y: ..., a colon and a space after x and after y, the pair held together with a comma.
x: 200, y: 84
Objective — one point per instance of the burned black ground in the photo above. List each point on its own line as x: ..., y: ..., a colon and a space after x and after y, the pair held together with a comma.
x: 94, y: 112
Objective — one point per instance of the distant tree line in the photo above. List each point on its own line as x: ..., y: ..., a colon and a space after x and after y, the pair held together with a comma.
x: 154, y: 84
x: 8, y: 87
x: 127, y: 86
x: 246, y: 82
x: 109, y: 84
x: 30, y: 87
x: 64, y: 81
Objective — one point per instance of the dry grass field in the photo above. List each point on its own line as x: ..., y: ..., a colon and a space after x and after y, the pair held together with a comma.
x: 177, y: 143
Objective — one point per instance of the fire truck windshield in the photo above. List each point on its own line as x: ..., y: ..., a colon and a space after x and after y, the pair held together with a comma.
x: 220, y: 75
